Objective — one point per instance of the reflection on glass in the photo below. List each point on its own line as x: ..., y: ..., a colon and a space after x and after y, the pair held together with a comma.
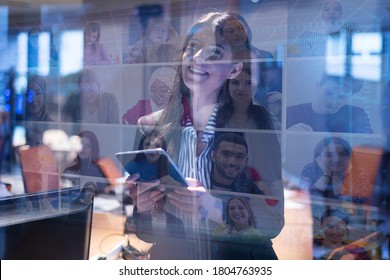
x: 71, y: 52
x: 366, y: 62
x: 22, y: 53
x: 43, y: 53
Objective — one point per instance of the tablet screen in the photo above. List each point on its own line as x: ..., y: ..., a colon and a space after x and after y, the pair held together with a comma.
x: 152, y: 165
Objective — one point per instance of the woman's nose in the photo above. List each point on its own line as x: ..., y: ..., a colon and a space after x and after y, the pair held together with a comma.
x: 200, y: 55
x: 241, y: 87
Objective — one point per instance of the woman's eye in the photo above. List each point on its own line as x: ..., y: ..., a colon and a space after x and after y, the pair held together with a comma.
x: 215, y: 53
x: 164, y: 89
x: 192, y: 47
x: 235, y: 83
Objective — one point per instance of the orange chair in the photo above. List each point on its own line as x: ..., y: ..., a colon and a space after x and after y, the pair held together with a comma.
x: 364, y: 164
x: 39, y: 168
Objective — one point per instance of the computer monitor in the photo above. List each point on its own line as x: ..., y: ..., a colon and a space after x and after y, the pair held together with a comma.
x: 45, y: 226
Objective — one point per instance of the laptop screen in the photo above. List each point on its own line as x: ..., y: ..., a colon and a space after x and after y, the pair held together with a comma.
x: 45, y: 226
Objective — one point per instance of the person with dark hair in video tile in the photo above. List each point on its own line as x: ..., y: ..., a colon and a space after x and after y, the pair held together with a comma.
x: 239, y: 34
x: 333, y: 234
x: 86, y: 162
x: 158, y: 225
x: 330, y: 110
x: 237, y: 109
x: 230, y: 158
x: 324, y: 176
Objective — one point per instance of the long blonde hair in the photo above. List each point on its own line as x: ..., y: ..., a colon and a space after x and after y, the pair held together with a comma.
x: 251, y: 217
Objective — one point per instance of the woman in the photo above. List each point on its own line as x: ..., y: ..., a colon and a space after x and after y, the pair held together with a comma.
x: 239, y: 34
x: 36, y: 100
x: 324, y: 176
x: 158, y: 223
x: 160, y: 91
x: 239, y: 238
x: 237, y: 108
x: 240, y: 219
x: 86, y: 162
x: 159, y: 44
x: 91, y: 105
x: 151, y: 166
x: 187, y: 123
x: 94, y: 51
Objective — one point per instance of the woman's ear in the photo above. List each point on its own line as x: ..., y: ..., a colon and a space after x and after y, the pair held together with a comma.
x: 212, y: 156
x: 236, y: 70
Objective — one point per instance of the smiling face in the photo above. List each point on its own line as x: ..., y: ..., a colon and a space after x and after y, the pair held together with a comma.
x: 335, y: 158
x: 241, y: 88
x: 206, y: 62
x: 331, y: 96
x: 159, y: 33
x: 334, y: 231
x: 331, y: 11
x: 229, y: 160
x: 238, y: 214
x: 89, y: 90
x: 91, y: 37
x: 159, y: 93
x: 35, y: 98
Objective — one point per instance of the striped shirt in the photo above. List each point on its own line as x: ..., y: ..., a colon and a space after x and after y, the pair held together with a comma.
x: 322, y: 44
x: 191, y: 165
x: 198, y: 168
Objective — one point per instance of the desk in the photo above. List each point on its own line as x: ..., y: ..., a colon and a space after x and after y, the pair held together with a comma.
x: 107, y: 234
x: 293, y: 243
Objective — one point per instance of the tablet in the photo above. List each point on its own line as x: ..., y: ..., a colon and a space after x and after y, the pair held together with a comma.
x: 152, y: 165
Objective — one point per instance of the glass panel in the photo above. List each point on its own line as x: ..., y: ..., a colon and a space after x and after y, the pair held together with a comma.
x: 276, y: 111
